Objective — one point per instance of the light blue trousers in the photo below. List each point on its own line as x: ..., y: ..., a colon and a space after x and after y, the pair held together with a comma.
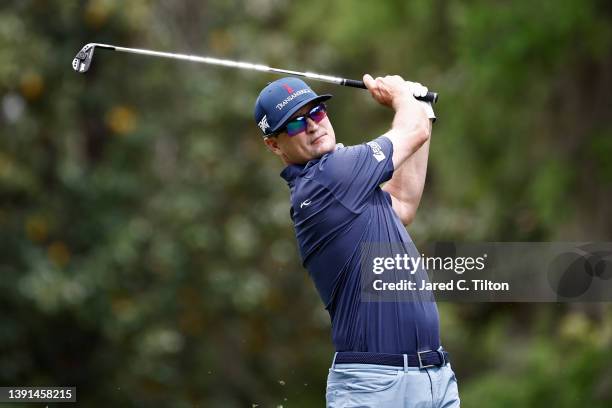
x: 381, y: 386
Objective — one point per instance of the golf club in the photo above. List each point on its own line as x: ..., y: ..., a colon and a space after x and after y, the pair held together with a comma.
x: 82, y: 62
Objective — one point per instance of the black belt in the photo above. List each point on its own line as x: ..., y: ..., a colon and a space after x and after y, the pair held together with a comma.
x: 423, y: 359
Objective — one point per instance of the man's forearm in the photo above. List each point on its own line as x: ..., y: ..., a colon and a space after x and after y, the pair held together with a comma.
x: 406, y: 185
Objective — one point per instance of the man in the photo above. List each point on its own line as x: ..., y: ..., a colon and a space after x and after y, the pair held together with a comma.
x: 388, y: 352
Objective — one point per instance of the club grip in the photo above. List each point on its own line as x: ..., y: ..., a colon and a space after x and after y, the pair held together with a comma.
x: 430, y: 97
x: 354, y: 83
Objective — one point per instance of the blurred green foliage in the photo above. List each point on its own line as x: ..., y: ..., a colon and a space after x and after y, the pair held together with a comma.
x: 147, y: 254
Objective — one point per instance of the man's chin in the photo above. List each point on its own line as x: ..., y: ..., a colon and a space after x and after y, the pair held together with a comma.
x: 326, y: 146
x: 323, y: 150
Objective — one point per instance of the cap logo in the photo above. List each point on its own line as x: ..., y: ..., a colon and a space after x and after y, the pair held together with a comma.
x: 288, y: 89
x: 263, y: 123
x: 291, y: 97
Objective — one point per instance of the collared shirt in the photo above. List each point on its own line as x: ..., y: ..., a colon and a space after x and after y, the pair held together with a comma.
x: 338, y: 208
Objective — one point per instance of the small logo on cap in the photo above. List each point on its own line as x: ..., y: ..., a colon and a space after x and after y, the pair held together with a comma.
x: 263, y: 123
x: 288, y: 89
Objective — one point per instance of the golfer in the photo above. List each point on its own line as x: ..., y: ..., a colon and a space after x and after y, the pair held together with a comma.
x: 388, y: 354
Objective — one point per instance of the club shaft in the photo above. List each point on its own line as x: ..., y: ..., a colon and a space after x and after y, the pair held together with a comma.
x: 430, y: 97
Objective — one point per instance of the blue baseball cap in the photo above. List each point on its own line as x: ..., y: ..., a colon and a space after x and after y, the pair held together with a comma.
x: 279, y: 100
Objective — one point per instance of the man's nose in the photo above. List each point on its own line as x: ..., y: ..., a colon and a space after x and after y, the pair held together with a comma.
x: 312, y: 125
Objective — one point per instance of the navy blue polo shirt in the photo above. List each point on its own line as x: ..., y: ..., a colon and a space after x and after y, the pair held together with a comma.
x: 337, y: 206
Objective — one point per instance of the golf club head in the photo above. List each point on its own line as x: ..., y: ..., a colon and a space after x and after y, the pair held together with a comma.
x: 82, y: 61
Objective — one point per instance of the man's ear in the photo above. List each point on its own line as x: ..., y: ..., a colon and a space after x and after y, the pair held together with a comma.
x: 272, y: 145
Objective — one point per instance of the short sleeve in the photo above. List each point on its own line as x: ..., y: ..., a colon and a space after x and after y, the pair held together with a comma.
x: 353, y: 173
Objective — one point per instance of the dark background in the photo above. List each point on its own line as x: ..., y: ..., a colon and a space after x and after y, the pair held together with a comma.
x: 146, y: 250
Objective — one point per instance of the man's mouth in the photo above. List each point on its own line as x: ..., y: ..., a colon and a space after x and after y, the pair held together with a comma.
x: 318, y: 138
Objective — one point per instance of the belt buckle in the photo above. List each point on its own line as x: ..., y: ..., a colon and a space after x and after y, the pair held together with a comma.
x: 421, y: 366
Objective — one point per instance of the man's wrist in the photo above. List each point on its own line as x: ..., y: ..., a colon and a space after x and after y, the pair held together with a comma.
x: 428, y: 110
x: 401, y: 101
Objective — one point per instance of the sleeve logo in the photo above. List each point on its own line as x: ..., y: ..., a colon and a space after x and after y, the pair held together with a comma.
x: 377, y: 151
x: 263, y: 123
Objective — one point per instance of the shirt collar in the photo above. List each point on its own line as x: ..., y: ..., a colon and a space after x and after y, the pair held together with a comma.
x: 293, y: 170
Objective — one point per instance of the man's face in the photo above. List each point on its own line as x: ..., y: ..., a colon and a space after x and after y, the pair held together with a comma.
x: 312, y: 143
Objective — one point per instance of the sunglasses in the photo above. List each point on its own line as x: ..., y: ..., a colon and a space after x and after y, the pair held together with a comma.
x: 299, y: 124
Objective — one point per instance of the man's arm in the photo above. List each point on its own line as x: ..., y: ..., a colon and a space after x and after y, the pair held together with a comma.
x: 406, y: 185
x: 410, y: 132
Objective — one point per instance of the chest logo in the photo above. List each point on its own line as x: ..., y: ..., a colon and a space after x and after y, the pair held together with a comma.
x: 305, y: 203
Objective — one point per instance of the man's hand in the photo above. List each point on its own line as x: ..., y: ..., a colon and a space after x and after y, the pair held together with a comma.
x: 392, y: 90
x: 410, y: 127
